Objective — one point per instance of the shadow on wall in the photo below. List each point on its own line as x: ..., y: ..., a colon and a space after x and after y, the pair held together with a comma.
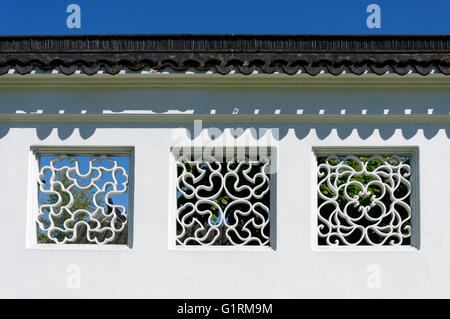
x: 257, y: 130
x: 222, y: 101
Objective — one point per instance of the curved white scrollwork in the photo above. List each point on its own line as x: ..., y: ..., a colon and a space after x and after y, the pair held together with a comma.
x: 364, y: 200
x: 223, y: 204
x: 69, y: 200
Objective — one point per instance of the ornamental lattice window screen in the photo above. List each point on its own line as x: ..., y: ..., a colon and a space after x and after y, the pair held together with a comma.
x: 223, y: 198
x: 82, y: 196
x: 367, y: 198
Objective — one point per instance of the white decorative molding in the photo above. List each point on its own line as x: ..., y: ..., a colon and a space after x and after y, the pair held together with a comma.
x: 366, y: 197
x: 172, y: 79
x: 133, y: 117
x: 76, y: 207
x: 222, y: 200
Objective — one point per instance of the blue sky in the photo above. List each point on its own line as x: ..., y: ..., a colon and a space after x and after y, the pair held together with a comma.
x: 231, y: 16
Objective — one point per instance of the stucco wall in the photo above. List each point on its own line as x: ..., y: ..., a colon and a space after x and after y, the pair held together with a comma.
x: 293, y: 270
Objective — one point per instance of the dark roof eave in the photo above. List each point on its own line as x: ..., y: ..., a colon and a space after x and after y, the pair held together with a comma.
x: 357, y: 53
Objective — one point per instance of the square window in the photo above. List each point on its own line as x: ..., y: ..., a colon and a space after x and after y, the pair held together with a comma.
x: 80, y: 196
x: 366, y: 197
x: 223, y: 197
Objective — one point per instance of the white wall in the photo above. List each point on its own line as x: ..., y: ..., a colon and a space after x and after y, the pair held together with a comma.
x: 293, y: 270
